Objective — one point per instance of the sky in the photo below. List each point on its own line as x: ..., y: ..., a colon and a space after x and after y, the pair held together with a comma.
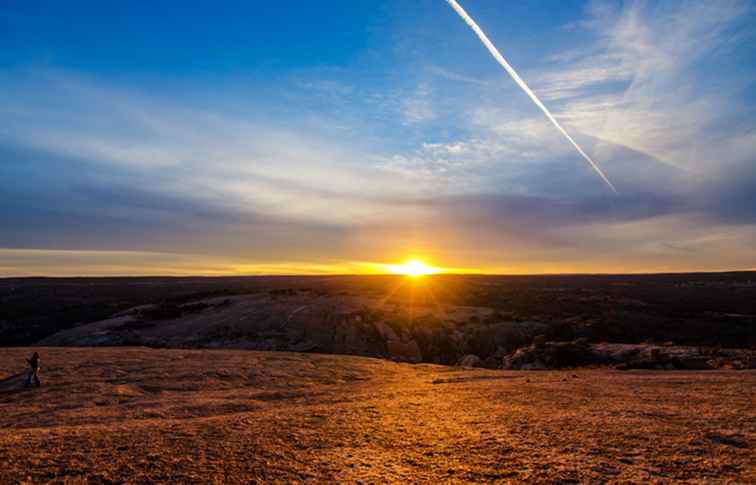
x: 293, y: 137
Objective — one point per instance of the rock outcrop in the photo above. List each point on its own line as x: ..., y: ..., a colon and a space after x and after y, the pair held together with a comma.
x: 578, y: 353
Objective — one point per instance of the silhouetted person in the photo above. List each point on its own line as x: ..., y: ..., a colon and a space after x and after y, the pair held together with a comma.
x: 34, y: 373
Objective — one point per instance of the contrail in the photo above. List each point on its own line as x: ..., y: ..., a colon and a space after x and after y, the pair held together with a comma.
x: 495, y: 53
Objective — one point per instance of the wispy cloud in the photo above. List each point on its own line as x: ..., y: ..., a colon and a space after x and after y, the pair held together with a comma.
x: 455, y: 76
x: 577, y: 80
x: 417, y: 108
x: 664, y: 103
x: 240, y: 163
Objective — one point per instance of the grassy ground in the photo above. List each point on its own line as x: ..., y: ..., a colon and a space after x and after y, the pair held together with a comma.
x: 135, y: 415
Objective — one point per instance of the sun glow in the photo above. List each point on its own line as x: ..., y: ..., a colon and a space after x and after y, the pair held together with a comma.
x: 413, y: 268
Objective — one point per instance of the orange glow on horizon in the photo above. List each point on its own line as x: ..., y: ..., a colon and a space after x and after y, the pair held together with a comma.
x: 69, y: 262
x: 413, y: 268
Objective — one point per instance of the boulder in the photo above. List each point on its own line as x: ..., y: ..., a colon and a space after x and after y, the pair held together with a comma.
x: 552, y: 355
x: 536, y: 365
x: 304, y: 346
x: 404, y: 351
x: 471, y: 360
x: 493, y: 362
x: 693, y: 363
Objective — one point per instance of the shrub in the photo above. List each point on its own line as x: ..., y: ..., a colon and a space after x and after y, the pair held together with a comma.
x: 539, y: 341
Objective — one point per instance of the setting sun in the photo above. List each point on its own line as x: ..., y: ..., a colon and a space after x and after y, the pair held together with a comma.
x: 413, y: 268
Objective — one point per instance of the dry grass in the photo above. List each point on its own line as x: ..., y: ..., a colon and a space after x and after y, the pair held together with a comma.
x: 134, y: 415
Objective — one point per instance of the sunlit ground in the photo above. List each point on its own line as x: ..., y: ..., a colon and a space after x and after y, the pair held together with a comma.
x: 233, y: 416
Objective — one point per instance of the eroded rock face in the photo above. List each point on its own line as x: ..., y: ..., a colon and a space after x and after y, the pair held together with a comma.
x: 385, y: 331
x: 439, y: 344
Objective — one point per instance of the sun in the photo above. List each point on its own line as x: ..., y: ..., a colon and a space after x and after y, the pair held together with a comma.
x: 413, y: 268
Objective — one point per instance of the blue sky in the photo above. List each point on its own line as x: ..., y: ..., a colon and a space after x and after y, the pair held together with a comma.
x: 249, y: 137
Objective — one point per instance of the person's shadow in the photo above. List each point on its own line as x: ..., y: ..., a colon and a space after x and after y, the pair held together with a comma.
x: 16, y: 382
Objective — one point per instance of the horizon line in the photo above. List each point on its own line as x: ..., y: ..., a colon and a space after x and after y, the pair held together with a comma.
x: 341, y: 275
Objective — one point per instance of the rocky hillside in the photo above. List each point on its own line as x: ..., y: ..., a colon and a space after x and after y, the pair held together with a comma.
x: 304, y: 321
x: 292, y: 320
x: 713, y: 309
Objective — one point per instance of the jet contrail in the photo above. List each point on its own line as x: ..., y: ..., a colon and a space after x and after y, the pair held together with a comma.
x: 495, y: 53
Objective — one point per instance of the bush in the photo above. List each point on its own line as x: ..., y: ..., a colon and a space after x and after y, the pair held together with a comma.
x: 539, y: 341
